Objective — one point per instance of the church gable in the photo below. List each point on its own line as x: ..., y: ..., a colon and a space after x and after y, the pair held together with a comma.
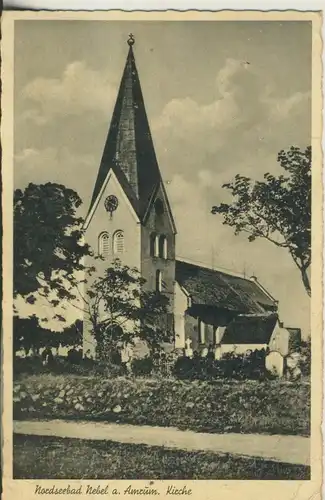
x: 159, y: 229
x: 112, y: 228
x: 158, y: 212
x: 158, y: 245
x: 112, y: 187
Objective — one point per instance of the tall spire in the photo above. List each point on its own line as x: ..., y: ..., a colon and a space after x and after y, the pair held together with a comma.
x: 129, y: 149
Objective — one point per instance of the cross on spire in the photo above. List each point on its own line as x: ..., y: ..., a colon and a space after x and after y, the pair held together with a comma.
x: 131, y: 40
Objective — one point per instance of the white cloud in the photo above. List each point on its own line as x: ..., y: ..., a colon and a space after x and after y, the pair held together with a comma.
x: 77, y: 90
x: 183, y: 117
x: 281, y: 109
x: 56, y: 165
x: 224, y: 79
x: 240, y: 131
x: 240, y: 94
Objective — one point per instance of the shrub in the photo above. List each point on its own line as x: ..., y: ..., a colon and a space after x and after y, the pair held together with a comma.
x: 32, y: 365
x: 230, y: 366
x: 305, y: 361
x: 61, y: 365
x: 183, y: 368
x: 142, y: 366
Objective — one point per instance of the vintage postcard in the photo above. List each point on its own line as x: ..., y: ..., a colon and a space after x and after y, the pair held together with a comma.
x: 162, y: 254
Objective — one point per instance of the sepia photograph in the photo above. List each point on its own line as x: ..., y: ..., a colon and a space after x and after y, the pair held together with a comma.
x: 162, y: 210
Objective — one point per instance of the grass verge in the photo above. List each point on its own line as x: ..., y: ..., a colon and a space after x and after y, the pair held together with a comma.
x: 37, y: 457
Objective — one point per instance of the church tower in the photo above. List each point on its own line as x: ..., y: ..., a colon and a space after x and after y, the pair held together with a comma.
x: 129, y: 216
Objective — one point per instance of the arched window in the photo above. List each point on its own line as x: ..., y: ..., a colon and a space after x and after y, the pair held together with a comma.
x: 154, y: 245
x: 163, y: 247
x: 118, y: 242
x: 104, y: 245
x: 158, y: 280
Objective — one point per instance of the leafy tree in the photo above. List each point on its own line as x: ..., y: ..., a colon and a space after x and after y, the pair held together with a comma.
x: 28, y: 334
x: 71, y: 335
x: 305, y: 361
x: 48, y: 246
x: 277, y: 209
x: 121, y: 310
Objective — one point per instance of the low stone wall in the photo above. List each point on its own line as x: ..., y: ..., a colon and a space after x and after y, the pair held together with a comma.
x: 267, y: 407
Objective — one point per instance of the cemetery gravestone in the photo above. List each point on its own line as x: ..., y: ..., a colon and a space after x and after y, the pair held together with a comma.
x: 274, y: 363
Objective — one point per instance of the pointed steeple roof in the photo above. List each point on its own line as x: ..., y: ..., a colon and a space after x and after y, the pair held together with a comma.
x: 129, y: 149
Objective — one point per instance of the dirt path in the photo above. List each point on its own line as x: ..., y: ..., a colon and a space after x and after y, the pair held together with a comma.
x: 289, y: 449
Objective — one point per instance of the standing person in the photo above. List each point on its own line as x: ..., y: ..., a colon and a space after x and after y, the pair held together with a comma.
x: 210, y: 354
x: 50, y: 358
x: 45, y: 354
x: 210, y: 361
x: 79, y: 356
x: 47, y: 357
x: 88, y: 357
x: 126, y: 358
x: 196, y: 364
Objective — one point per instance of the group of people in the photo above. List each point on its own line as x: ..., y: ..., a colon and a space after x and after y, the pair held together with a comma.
x: 207, y: 352
x: 74, y: 356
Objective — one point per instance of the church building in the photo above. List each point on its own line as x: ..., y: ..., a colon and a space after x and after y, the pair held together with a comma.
x: 130, y: 218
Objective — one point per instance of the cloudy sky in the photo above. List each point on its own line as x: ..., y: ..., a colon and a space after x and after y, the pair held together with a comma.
x: 222, y: 98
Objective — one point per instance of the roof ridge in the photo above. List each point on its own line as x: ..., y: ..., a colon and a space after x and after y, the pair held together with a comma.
x: 216, y: 269
x: 266, y: 314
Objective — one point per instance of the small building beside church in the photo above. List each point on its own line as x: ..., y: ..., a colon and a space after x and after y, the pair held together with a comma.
x: 130, y: 218
x: 256, y: 332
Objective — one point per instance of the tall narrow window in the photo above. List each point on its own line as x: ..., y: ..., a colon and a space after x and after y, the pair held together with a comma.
x: 154, y: 245
x: 118, y: 242
x: 216, y: 335
x: 163, y: 247
x: 158, y: 280
x: 103, y: 245
x: 201, y: 332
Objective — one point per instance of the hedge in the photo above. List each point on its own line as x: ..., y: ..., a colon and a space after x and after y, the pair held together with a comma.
x: 271, y: 407
x: 231, y: 366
